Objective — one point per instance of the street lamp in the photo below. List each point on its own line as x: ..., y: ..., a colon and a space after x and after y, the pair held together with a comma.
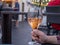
x: 39, y: 3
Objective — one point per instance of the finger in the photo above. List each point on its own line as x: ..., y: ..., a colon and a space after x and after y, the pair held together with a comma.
x: 37, y: 39
x: 36, y: 31
x: 39, y: 33
x: 40, y: 41
x: 34, y: 38
x: 33, y: 34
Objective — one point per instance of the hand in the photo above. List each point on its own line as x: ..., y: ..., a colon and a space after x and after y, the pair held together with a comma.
x: 39, y: 36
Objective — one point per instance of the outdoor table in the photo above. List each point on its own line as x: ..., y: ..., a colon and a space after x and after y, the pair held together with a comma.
x: 53, y: 16
x: 7, y: 24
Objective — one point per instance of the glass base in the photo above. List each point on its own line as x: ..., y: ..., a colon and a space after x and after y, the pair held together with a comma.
x: 32, y: 43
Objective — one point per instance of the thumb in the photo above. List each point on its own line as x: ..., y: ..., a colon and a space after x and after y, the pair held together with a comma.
x: 37, y: 32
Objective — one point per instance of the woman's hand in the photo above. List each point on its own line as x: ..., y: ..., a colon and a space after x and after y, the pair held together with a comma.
x: 39, y: 36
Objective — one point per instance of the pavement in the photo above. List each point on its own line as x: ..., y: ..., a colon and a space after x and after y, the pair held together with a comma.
x: 22, y: 34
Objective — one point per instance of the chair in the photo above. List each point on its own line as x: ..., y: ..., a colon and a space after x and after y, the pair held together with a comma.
x: 53, y: 16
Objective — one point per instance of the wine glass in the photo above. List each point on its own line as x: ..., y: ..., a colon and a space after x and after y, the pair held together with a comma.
x: 34, y: 21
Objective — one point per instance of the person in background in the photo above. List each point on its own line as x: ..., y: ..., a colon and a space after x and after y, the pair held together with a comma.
x: 41, y: 37
x: 16, y: 16
x: 1, y: 3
